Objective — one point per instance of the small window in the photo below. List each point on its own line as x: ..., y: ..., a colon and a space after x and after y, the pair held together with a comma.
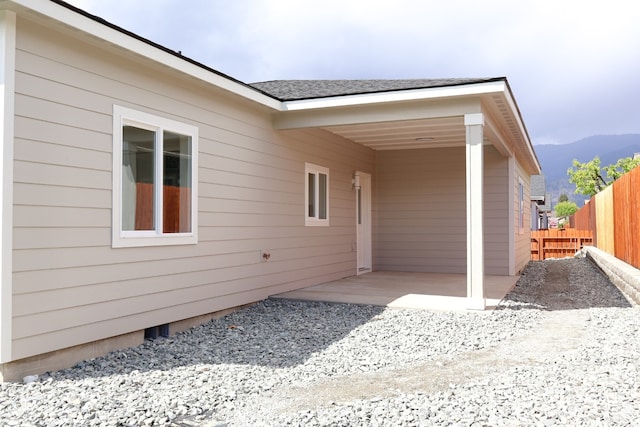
x: 154, y: 180
x: 316, y: 195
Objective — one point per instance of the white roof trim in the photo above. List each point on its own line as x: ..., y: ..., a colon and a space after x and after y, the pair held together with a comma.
x: 396, y: 96
x: 110, y: 35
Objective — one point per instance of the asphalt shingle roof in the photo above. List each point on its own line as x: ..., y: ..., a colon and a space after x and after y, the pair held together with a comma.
x: 292, y: 90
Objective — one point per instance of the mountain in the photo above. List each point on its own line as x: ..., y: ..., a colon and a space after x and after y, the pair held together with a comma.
x: 556, y: 159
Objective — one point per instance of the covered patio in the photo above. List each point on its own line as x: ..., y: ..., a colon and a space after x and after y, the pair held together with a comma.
x: 428, y: 291
x: 440, y: 218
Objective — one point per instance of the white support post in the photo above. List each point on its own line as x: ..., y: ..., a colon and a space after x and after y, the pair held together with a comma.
x: 475, y: 224
x: 7, y: 89
x: 512, y: 215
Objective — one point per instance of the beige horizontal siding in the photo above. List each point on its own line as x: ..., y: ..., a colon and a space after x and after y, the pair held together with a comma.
x: 32, y: 195
x: 52, y: 238
x: 209, y: 269
x: 25, y: 172
x: 496, y: 212
x: 421, y: 211
x: 45, y: 131
x: 70, y: 286
x: 60, y: 216
x: 421, y: 215
x: 50, y: 304
x: 45, y: 152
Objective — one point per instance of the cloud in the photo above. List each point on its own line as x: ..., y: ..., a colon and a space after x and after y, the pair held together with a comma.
x: 572, y: 65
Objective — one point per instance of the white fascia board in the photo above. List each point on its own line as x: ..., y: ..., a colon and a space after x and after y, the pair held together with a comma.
x: 396, y: 96
x: 115, y: 37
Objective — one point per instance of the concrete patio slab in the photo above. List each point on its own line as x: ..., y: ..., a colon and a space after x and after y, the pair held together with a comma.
x: 430, y: 291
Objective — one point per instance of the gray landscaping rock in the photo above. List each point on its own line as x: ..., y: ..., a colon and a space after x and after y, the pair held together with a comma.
x: 561, y: 349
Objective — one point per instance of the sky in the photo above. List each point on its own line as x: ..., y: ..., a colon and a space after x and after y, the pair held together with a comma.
x: 573, y: 66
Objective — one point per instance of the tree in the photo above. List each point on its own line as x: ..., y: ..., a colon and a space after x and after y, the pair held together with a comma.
x: 621, y: 167
x: 563, y: 198
x: 588, y: 176
x: 565, y: 208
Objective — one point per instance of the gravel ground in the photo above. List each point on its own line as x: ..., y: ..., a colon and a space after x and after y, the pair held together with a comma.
x: 561, y: 349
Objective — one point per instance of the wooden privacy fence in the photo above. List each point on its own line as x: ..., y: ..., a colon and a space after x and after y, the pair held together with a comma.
x: 558, y: 243
x: 614, y: 217
x: 626, y: 217
x: 176, y: 212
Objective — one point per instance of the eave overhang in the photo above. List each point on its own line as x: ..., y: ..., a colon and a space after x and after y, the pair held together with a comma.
x: 418, y: 118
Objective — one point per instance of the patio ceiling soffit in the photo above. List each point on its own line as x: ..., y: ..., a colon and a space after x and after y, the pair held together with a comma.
x: 423, y: 118
x: 393, y: 124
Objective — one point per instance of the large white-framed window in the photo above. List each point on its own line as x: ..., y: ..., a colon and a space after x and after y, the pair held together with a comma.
x: 316, y: 195
x: 155, y: 180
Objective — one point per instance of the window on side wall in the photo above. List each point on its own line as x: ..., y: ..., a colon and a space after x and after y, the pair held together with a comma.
x: 520, y: 205
x: 155, y: 164
x: 316, y: 195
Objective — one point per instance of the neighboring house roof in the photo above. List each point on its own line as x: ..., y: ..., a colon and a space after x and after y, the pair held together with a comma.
x: 538, y: 188
x: 294, y: 90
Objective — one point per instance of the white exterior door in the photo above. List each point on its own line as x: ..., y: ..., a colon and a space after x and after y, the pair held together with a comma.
x: 363, y: 221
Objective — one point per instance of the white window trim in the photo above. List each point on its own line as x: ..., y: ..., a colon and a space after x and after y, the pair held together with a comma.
x: 120, y: 238
x: 314, y: 221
